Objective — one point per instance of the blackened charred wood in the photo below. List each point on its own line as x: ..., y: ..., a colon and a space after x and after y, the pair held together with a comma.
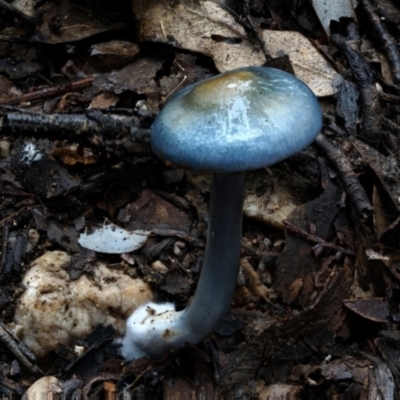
x: 15, y: 251
x: 96, y: 127
x: 365, y: 79
x: 346, y: 106
x: 72, y: 124
x: 40, y: 173
x: 350, y: 181
x: 386, y: 40
x: 3, y: 247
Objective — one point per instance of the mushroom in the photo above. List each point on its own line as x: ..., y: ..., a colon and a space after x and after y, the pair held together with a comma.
x: 237, y: 121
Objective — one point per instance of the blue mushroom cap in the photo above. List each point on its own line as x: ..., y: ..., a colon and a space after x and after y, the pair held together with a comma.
x: 240, y: 120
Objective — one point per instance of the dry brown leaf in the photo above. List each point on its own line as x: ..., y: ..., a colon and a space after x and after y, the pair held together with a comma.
x: 104, y: 101
x: 75, y: 153
x: 254, y: 283
x: 112, y: 55
x: 115, y: 48
x: 375, y: 309
x: 211, y: 30
x: 7, y: 89
x: 62, y: 22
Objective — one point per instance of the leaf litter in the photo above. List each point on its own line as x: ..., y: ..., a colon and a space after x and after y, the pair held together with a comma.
x: 315, y: 314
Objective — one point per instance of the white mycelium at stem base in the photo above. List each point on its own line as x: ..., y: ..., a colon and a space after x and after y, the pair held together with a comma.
x: 237, y: 121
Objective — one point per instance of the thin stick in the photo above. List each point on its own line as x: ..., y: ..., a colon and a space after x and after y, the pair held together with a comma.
x: 48, y: 92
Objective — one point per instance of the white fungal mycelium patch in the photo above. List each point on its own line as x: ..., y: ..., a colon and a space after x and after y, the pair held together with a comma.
x: 54, y: 309
x: 30, y: 154
x: 112, y: 239
x: 145, y: 327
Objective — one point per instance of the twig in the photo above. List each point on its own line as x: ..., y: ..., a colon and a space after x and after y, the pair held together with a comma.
x: 48, y: 92
x: 386, y: 40
x: 252, y: 29
x: 18, y: 349
x: 352, y: 184
x: 364, y: 77
x: 390, y: 124
x: 316, y: 239
x: 176, y: 88
x: 14, y: 214
x: 391, y: 98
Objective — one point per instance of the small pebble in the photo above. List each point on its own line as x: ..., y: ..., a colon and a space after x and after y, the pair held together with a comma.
x: 158, y: 266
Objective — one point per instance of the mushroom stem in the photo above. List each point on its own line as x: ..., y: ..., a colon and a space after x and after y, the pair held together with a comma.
x: 222, y: 256
x: 153, y: 329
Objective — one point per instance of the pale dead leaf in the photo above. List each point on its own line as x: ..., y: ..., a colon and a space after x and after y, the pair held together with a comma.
x: 277, y: 391
x: 25, y: 7
x: 270, y: 209
x: 333, y: 10
x: 46, y: 387
x: 308, y: 64
x: 112, y: 239
x: 281, y: 194
x: 207, y: 28
x: 204, y: 28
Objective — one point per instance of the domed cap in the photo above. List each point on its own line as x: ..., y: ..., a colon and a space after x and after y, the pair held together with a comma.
x: 240, y: 120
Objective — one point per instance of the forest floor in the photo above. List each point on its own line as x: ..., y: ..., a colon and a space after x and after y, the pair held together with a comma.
x: 316, y: 310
